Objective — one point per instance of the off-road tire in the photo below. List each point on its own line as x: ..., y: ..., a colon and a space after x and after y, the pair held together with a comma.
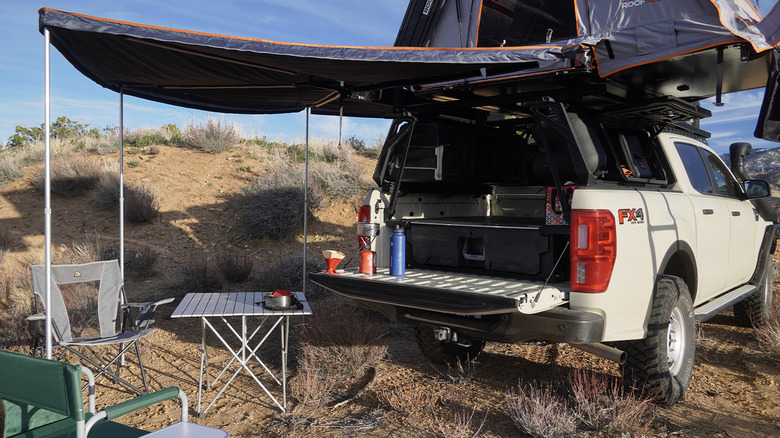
x: 662, y: 363
x: 757, y: 308
x: 441, y: 352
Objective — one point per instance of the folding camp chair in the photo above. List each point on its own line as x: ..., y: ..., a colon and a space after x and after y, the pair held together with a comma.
x: 106, y: 307
x: 42, y: 398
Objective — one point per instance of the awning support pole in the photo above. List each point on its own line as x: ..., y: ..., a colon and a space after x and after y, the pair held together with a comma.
x: 306, y: 199
x: 47, y: 184
x: 121, y: 183
x: 122, y: 204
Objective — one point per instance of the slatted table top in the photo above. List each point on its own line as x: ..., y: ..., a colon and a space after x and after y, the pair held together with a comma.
x: 233, y: 304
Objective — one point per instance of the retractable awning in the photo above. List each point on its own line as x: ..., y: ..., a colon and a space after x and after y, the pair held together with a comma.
x: 254, y: 76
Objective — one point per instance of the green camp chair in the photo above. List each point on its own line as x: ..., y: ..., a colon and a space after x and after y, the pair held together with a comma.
x: 109, y: 307
x: 43, y: 399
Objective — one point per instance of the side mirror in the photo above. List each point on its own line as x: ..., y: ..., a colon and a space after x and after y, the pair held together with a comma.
x: 757, y: 188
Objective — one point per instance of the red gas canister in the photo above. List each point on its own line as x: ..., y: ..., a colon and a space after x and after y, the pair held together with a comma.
x: 367, y: 264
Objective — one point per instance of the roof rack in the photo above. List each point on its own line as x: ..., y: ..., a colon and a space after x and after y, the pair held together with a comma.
x: 658, y: 111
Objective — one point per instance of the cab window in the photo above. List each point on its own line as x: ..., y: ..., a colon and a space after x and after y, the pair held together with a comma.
x: 694, y: 167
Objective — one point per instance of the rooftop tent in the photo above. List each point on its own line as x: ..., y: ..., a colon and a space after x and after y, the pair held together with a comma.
x: 623, y: 33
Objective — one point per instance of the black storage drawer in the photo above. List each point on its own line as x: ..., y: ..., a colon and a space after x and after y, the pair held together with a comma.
x: 491, y: 244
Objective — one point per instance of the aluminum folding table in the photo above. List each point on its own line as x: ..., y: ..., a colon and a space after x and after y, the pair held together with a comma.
x: 210, y: 307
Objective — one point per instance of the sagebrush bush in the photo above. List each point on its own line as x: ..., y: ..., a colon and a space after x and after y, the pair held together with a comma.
x: 340, y: 180
x: 540, y: 412
x: 106, y: 191
x: 200, y: 276
x: 139, y: 262
x: 768, y: 334
x: 143, y: 137
x: 273, y: 213
x: 461, y: 426
x: 287, y: 273
x: 10, y: 168
x: 345, y: 341
x: 71, y: 174
x: 141, y: 204
x: 213, y: 136
x: 15, y: 304
x: 234, y: 265
x: 6, y: 244
x: 410, y: 399
x: 601, y: 404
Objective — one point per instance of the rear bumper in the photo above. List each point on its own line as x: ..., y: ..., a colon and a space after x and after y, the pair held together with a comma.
x: 486, y: 316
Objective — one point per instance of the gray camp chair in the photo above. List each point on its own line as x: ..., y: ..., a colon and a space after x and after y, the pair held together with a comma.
x: 109, y: 308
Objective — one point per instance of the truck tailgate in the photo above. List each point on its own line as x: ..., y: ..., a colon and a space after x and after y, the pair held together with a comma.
x: 449, y: 292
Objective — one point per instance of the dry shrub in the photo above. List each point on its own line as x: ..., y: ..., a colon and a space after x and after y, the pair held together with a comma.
x: 275, y: 213
x: 234, y: 265
x: 200, y: 276
x: 141, y: 204
x: 313, y: 386
x: 273, y: 206
x: 461, y: 371
x: 337, y: 349
x: 340, y: 180
x: 6, y: 244
x: 140, y: 262
x: 346, y: 342
x: 10, y: 168
x: 601, y: 404
x: 410, y: 399
x: 213, y: 136
x: 71, y: 174
x: 540, y: 412
x: 768, y: 334
x: 78, y: 252
x: 287, y: 273
x: 106, y: 191
x: 462, y: 425
x: 15, y: 304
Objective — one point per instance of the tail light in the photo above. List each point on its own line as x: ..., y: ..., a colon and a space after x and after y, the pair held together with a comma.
x: 364, y: 214
x: 593, y: 250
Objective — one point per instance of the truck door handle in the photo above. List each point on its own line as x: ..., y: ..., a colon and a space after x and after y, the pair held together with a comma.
x: 708, y: 211
x: 735, y: 213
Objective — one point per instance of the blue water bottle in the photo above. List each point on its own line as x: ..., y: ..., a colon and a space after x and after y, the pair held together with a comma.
x: 398, y: 252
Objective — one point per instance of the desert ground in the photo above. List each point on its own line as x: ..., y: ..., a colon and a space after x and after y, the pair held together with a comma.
x: 734, y: 391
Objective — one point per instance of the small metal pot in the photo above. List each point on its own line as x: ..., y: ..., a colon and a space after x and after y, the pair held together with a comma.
x: 277, y: 302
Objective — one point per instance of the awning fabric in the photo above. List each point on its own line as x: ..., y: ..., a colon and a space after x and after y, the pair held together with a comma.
x: 254, y: 76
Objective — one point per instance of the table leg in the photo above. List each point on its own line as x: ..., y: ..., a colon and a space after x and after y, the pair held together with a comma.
x: 285, y: 343
x: 203, y: 361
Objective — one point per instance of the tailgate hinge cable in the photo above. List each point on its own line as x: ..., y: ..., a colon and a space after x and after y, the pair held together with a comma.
x: 552, y: 272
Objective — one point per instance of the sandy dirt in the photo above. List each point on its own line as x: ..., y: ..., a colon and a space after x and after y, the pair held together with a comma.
x: 734, y: 391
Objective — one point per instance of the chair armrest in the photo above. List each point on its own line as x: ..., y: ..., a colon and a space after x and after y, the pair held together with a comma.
x: 137, y: 403
x: 145, y: 312
x: 143, y: 401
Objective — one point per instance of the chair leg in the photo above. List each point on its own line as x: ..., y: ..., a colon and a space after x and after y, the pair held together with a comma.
x: 106, y: 369
x: 141, y: 366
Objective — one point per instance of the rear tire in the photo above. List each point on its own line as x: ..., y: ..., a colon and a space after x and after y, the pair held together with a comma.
x: 757, y: 308
x: 662, y: 363
x: 441, y: 352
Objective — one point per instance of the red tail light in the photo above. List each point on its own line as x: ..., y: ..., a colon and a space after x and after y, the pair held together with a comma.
x: 593, y: 249
x: 364, y: 214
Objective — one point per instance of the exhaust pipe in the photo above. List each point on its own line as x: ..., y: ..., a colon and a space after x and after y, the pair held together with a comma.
x: 605, y: 351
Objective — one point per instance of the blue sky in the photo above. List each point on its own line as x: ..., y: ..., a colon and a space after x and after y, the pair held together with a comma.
x: 342, y: 22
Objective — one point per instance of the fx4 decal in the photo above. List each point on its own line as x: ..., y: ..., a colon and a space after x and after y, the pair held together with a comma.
x: 631, y: 215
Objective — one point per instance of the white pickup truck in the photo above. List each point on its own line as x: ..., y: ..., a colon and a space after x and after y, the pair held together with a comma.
x: 612, y: 230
